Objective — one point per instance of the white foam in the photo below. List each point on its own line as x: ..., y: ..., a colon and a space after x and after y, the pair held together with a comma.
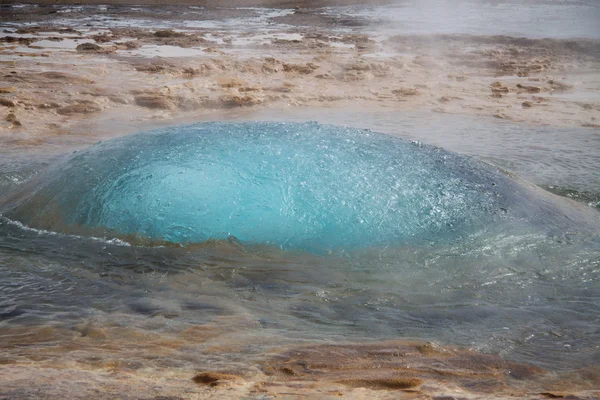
x: 116, y: 242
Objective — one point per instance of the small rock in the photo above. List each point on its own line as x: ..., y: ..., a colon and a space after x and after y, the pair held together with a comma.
x: 559, y: 85
x: 89, y: 46
x: 527, y: 104
x: 214, y: 378
x: 154, y: 101
x: 227, y: 82
x: 239, y: 101
x: 288, y: 371
x: 307, y: 68
x: 168, y: 33
x: 498, y: 88
x: 11, y: 117
x: 530, y: 89
x: 45, y: 106
x: 130, y: 45
x: 406, y: 92
x: 6, y: 102
x: 324, y: 76
x: 81, y: 107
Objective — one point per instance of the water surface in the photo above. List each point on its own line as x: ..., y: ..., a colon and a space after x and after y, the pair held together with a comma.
x: 527, y: 289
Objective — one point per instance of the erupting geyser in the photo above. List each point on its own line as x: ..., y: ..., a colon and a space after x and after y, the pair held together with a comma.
x: 298, y: 186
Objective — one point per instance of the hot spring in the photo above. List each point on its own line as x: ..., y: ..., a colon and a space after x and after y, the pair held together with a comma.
x: 284, y: 233
x: 294, y: 186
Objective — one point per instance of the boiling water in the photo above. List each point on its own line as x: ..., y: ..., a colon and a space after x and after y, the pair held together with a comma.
x: 466, y: 254
x: 295, y: 186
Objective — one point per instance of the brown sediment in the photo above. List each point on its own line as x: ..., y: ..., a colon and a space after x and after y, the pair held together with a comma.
x: 125, y: 360
x: 214, y: 378
x: 398, y: 365
x: 415, y: 73
x: 383, y: 383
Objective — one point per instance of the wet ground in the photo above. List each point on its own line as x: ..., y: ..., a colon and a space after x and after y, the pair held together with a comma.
x: 498, y: 314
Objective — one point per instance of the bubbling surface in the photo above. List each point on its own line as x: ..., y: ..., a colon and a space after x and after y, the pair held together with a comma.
x: 299, y: 186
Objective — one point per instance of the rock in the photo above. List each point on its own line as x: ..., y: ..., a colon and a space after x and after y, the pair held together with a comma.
x: 11, y: 117
x: 406, y: 92
x: 6, y: 102
x: 103, y: 38
x: 185, y: 103
x: 155, y: 101
x: 240, y: 101
x: 271, y: 65
x: 130, y: 45
x: 530, y: 89
x: 227, y: 82
x: 307, y: 68
x: 324, y: 76
x: 559, y: 85
x: 360, y: 67
x: 4, y: 90
x: 81, y: 107
x: 527, y: 104
x: 166, y: 33
x: 19, y: 40
x: 153, y: 68
x: 49, y: 105
x: 354, y: 75
x: 115, y: 98
x: 214, y: 378
x: 249, y: 89
x: 499, y: 88
x: 89, y: 46
x: 59, y: 77
x: 384, y: 383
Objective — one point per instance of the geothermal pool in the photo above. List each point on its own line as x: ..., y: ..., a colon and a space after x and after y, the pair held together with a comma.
x: 285, y: 233
x: 295, y: 186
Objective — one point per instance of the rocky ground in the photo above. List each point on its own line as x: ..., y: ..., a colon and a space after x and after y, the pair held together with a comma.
x: 57, y: 79
x: 124, y: 365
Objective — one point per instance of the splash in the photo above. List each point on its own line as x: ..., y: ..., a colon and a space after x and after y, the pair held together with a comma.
x: 293, y: 185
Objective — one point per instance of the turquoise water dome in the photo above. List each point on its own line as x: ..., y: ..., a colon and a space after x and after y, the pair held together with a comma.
x: 299, y: 186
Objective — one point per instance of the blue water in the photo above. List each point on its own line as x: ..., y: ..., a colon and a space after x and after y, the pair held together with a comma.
x: 294, y: 185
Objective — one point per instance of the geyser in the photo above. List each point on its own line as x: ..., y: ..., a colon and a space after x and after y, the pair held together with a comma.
x: 293, y: 185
